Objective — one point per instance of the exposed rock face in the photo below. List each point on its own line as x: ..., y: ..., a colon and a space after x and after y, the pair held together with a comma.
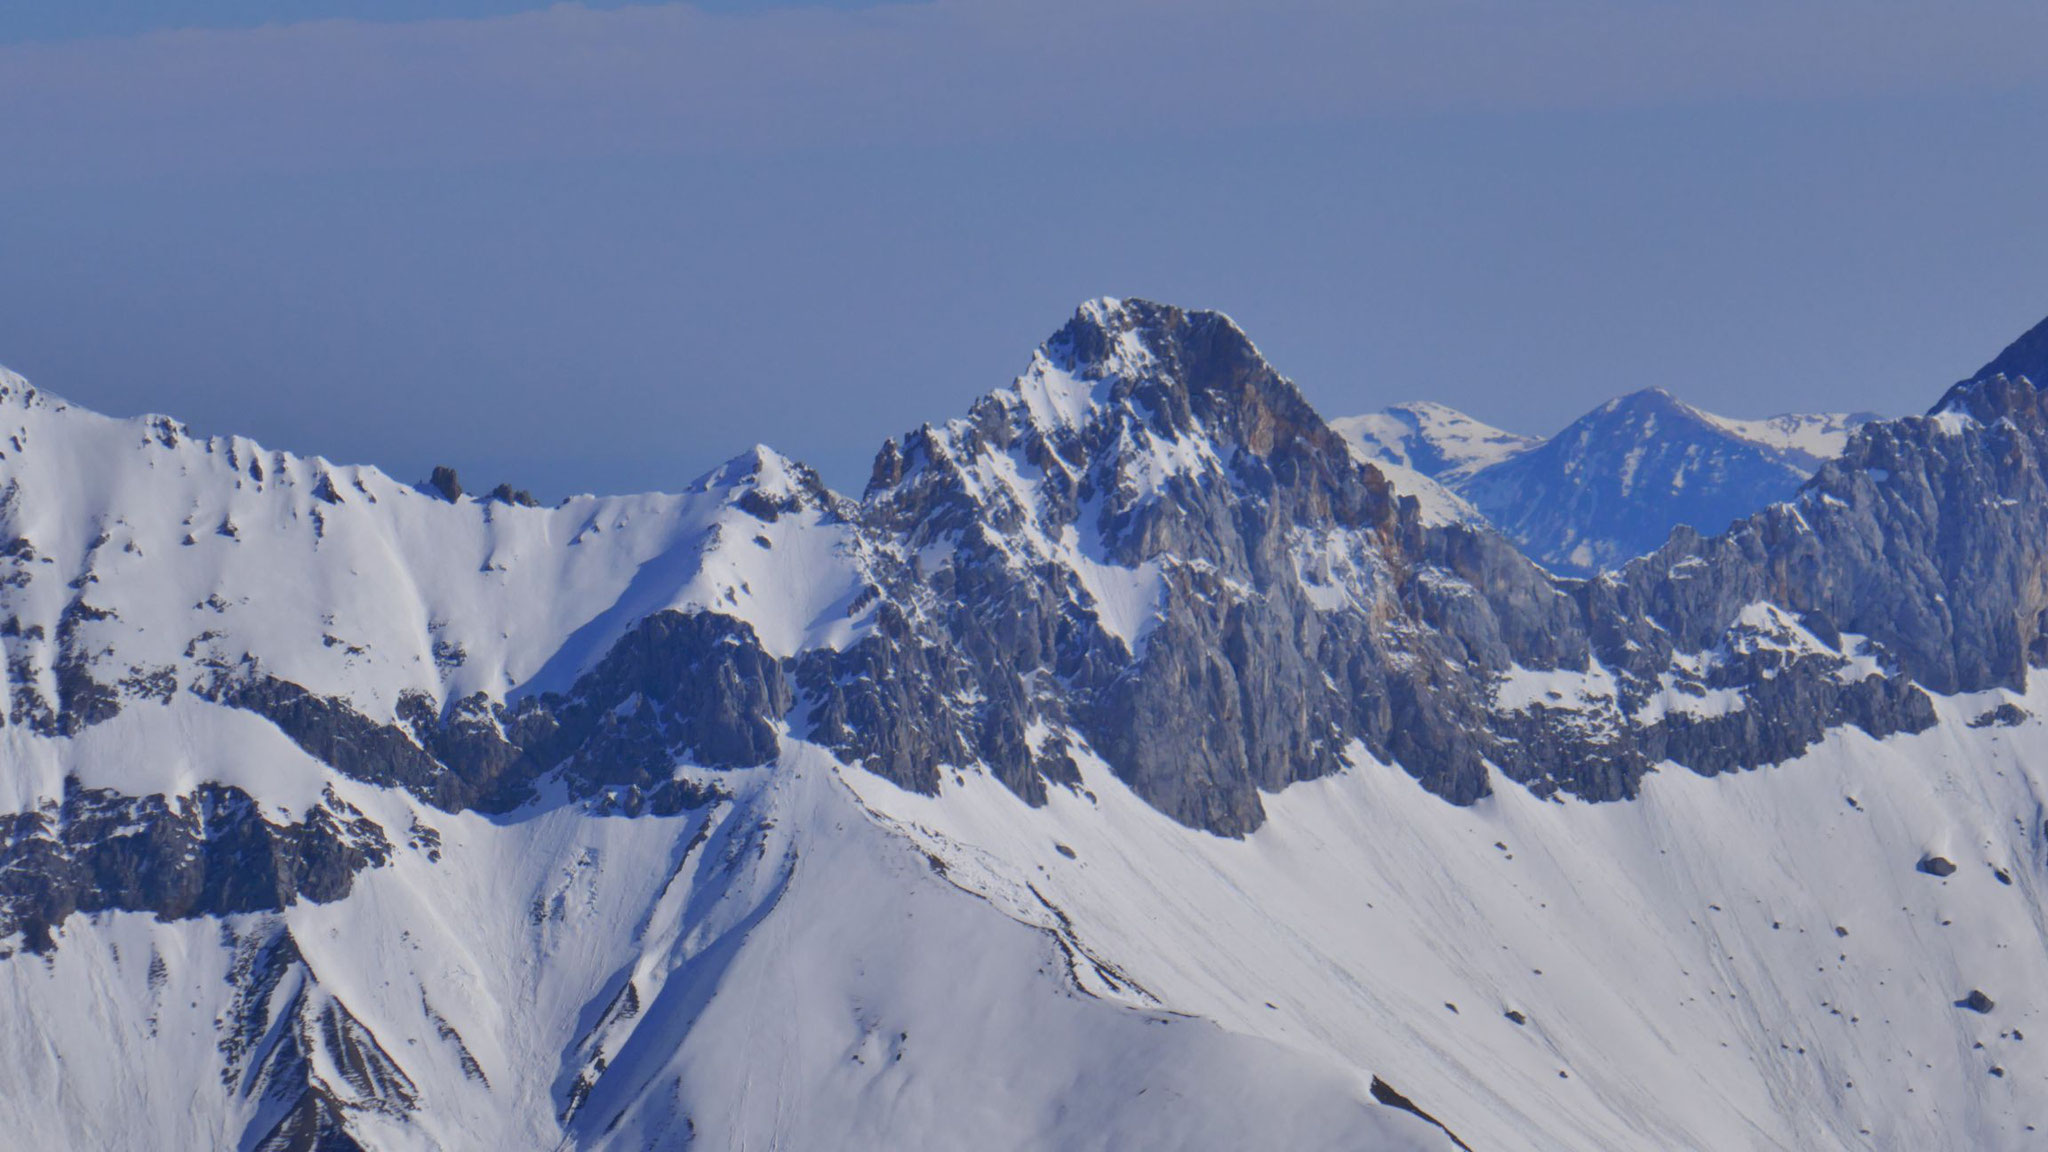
x: 1925, y: 536
x: 1153, y: 544
x: 297, y: 1050
x: 211, y: 853
x: 444, y: 483
x: 678, y: 687
x: 2026, y: 357
x: 695, y: 687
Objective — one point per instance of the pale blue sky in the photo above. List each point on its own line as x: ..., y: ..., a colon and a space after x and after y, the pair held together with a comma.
x: 59, y: 20
x: 602, y: 250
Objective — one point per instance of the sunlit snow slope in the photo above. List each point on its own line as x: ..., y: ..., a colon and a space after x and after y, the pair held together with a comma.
x: 1130, y: 766
x: 768, y: 969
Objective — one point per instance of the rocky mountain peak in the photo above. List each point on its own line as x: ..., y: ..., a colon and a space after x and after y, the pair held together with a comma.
x: 1642, y: 404
x: 375, y: 765
x: 1577, y: 503
x: 2011, y: 381
x: 1190, y: 372
x: 768, y: 484
x: 2026, y: 357
x: 1131, y: 423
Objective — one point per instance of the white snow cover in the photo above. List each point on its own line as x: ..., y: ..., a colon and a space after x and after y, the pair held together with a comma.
x: 1816, y: 436
x: 800, y: 979
x: 1406, y: 434
x: 1437, y: 504
x: 1676, y: 961
x: 354, y: 585
x: 826, y: 961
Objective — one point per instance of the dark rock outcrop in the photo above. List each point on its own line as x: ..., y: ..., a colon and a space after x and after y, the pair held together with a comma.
x: 676, y: 687
x: 2007, y: 715
x: 300, y: 1054
x: 1297, y: 605
x: 507, y: 494
x: 443, y: 483
x: 1153, y: 549
x: 1388, y: 1096
x: 209, y: 853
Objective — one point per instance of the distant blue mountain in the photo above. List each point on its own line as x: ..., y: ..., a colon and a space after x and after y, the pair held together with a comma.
x: 1614, y: 483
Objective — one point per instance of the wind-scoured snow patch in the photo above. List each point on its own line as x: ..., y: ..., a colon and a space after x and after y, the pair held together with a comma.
x: 1339, y: 571
x: 1055, y: 398
x: 1126, y: 601
x: 1764, y: 627
x: 1520, y: 689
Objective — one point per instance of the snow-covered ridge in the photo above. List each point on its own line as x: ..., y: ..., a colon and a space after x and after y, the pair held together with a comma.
x: 767, y: 736
x: 1610, y: 486
x: 1815, y: 436
x: 1433, y: 439
x: 356, y: 586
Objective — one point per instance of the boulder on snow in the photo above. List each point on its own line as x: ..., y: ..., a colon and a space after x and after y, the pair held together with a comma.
x: 1937, y: 866
x: 1976, y: 1002
x: 2006, y: 715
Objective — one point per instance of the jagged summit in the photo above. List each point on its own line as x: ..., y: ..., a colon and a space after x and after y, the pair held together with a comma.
x: 1119, y: 419
x: 310, y: 775
x: 768, y: 484
x: 2025, y: 357
x: 1987, y: 391
x: 1190, y: 372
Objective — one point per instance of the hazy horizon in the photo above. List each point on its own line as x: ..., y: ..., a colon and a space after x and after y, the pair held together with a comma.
x: 606, y: 248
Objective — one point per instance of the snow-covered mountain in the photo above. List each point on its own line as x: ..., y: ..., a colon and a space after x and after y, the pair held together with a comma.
x: 1425, y: 450
x: 1613, y: 484
x: 1130, y: 765
x: 1440, y: 442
